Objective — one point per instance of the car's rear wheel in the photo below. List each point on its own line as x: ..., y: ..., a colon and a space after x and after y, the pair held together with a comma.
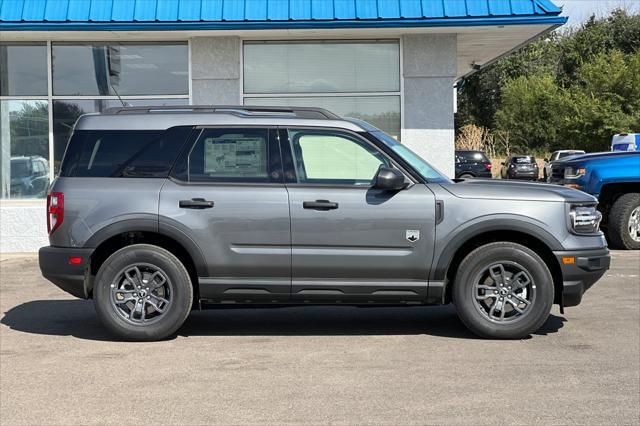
x: 466, y: 176
x: 142, y: 292
x: 503, y: 290
x: 623, y: 228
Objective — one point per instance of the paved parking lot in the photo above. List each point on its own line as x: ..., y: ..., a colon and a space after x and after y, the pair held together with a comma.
x: 318, y: 365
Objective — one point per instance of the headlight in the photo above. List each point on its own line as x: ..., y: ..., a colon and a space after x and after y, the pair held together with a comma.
x: 585, y: 219
x: 571, y: 173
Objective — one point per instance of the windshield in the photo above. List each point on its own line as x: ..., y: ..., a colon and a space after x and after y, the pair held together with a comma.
x: 426, y: 170
x: 567, y: 154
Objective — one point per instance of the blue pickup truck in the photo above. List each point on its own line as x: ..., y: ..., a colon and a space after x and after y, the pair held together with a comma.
x: 614, y: 178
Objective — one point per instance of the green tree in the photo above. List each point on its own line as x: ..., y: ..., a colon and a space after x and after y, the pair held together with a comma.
x: 571, y: 89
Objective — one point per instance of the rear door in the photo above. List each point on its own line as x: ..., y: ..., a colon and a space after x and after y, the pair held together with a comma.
x: 227, y: 195
x: 350, y: 241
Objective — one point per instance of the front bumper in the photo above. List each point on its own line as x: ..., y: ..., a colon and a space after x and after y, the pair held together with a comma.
x: 72, y: 278
x: 588, y: 267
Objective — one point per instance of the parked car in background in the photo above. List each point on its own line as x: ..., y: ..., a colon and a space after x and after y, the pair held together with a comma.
x: 520, y: 167
x: 614, y: 178
x: 555, y: 156
x: 472, y: 164
x: 625, y: 142
x: 29, y: 177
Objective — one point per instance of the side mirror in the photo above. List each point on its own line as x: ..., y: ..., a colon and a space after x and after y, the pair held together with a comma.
x: 389, y: 179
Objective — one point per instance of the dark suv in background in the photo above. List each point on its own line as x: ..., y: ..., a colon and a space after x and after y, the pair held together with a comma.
x: 472, y: 164
x: 157, y: 211
x: 520, y: 167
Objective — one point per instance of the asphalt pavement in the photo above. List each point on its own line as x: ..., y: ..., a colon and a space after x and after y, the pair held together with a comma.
x: 338, y: 365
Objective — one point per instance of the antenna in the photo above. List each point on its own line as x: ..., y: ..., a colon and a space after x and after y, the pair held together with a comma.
x: 119, y: 98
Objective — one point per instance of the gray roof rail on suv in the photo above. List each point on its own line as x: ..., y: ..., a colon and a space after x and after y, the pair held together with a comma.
x: 159, y: 210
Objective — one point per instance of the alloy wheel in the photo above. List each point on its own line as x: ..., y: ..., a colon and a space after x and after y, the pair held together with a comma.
x: 504, y: 292
x: 141, y: 294
x: 634, y: 224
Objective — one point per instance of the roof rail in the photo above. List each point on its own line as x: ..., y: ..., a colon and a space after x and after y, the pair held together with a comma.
x: 298, y: 112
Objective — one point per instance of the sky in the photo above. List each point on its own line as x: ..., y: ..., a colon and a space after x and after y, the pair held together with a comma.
x: 580, y: 10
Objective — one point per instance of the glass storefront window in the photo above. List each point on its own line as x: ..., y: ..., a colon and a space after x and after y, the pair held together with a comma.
x: 93, y: 69
x: 23, y: 69
x: 381, y: 111
x: 24, y: 149
x: 321, y: 67
x: 66, y: 112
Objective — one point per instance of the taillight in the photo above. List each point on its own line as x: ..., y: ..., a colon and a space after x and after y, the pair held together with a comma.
x: 55, y: 210
x: 487, y: 166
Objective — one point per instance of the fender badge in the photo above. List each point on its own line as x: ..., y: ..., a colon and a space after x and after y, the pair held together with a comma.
x: 413, y: 235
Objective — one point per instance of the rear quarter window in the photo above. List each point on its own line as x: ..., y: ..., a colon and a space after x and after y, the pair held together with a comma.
x: 123, y: 153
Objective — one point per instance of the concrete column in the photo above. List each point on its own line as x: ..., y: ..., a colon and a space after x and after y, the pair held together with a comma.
x: 215, y: 70
x: 429, y: 71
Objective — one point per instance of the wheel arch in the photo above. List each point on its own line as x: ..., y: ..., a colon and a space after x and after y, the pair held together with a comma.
x: 610, y: 192
x: 472, y: 237
x: 137, y: 231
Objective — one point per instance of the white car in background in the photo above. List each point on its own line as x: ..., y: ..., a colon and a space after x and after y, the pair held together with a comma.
x: 556, y: 155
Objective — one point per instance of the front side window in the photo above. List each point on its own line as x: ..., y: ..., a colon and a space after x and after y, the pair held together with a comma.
x: 326, y: 157
x: 231, y: 155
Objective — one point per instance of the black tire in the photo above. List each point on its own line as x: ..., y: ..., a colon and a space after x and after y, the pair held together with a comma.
x: 466, y: 176
x: 619, y: 222
x: 177, y: 285
x: 513, y: 255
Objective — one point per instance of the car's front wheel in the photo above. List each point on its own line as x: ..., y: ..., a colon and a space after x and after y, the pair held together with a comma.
x: 142, y: 292
x: 503, y: 290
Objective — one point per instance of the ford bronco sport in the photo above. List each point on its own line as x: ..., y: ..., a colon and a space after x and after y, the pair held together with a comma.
x: 157, y: 211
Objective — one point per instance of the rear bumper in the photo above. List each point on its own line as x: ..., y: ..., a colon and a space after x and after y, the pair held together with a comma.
x: 524, y: 175
x: 587, y: 268
x: 55, y: 266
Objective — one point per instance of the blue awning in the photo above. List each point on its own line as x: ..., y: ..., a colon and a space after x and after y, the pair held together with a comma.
x: 115, y: 15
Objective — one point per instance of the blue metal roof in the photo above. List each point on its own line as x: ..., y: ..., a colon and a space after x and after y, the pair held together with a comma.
x: 268, y: 14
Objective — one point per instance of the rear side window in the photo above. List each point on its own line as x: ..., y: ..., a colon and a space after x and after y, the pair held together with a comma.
x: 472, y: 156
x: 123, y: 153
x: 231, y: 155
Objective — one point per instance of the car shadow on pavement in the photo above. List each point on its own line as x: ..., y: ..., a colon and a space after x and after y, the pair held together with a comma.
x: 78, y: 318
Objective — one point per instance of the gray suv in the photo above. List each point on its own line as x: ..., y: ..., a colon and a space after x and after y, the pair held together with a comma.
x: 158, y: 211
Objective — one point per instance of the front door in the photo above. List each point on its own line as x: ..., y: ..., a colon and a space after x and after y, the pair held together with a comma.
x: 227, y: 195
x: 350, y: 241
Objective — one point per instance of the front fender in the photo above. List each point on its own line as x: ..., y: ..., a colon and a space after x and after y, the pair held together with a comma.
x: 482, y: 225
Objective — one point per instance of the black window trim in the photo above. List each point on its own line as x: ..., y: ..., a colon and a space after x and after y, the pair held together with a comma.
x: 287, y: 158
x: 195, y: 136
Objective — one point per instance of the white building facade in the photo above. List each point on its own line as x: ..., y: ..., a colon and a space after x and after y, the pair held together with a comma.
x: 391, y: 63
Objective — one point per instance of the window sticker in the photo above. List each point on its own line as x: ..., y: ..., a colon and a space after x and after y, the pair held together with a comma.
x: 238, y: 155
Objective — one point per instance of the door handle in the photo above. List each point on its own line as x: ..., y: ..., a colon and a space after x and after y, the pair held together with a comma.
x: 196, y: 203
x: 320, y: 205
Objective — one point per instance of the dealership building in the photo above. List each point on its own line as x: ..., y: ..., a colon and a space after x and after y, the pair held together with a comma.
x: 393, y: 63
